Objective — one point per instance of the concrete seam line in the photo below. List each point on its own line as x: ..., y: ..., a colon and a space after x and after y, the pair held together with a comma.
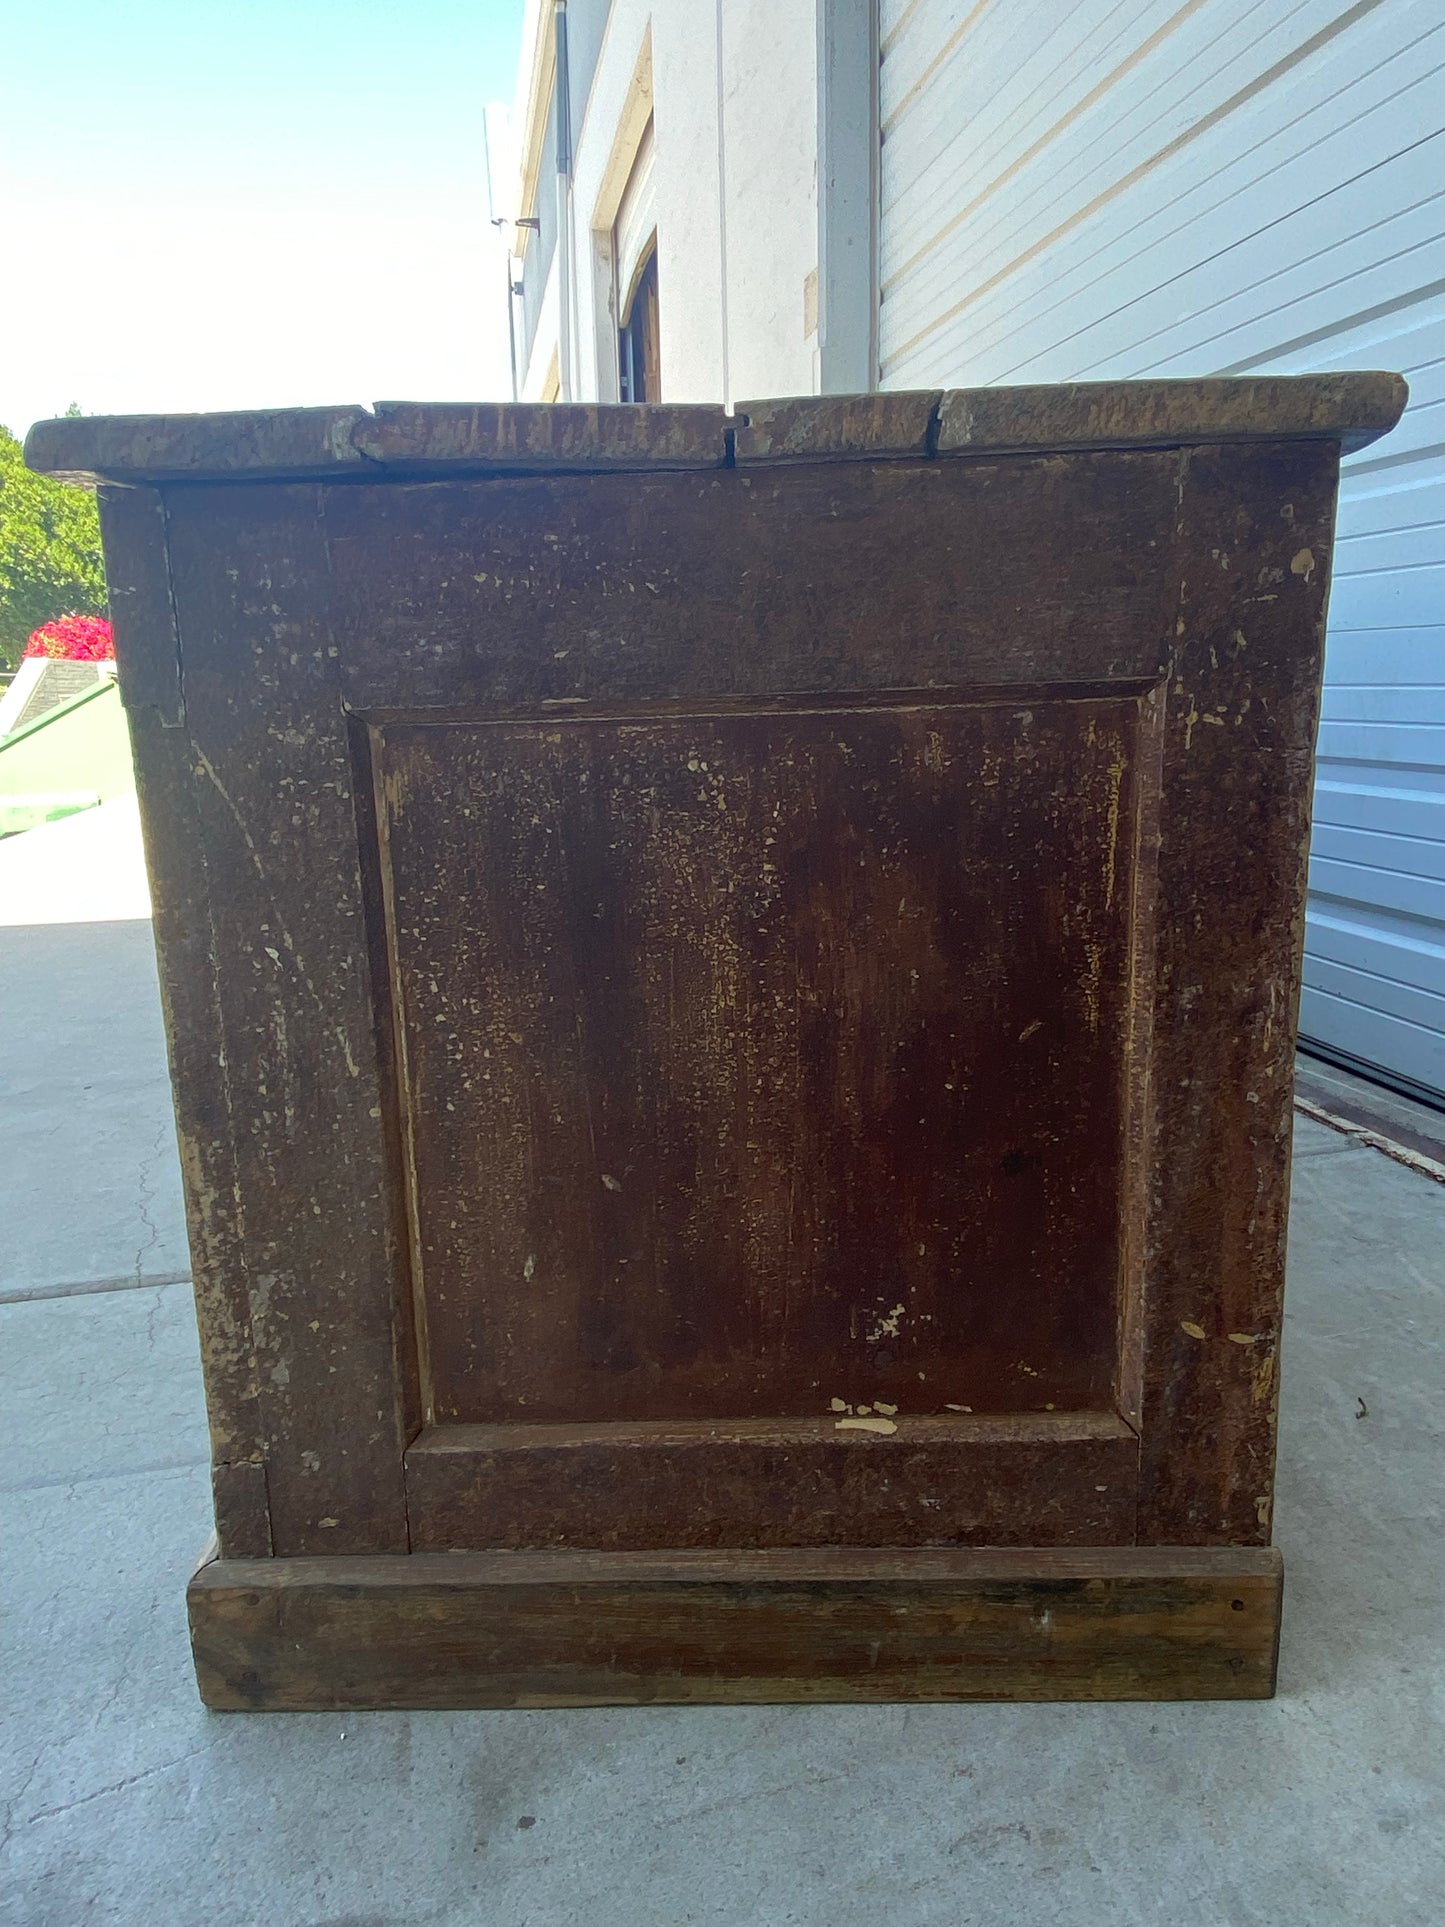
x: 1375, y: 1140
x: 84, y: 1287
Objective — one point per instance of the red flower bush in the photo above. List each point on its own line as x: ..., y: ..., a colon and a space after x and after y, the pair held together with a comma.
x: 74, y: 639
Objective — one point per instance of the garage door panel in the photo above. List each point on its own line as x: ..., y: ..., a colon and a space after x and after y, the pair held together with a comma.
x: 1271, y: 157
x: 974, y: 136
x: 1366, y: 656
x: 1417, y: 437
x: 1013, y: 76
x: 918, y: 38
x: 1404, y: 1002
x: 1381, y: 503
x: 1401, y: 745
x: 1403, y: 598
x: 1409, y: 338
x: 1201, y: 206
x: 1293, y: 279
x: 1375, y: 943
x: 1392, y: 813
x: 1103, y: 101
x: 1394, y: 890
x: 1401, y: 1047
x: 1385, y: 702
x: 1031, y: 321
x: 1419, y: 546
x: 1414, y: 1051
x: 1221, y: 188
x: 1379, y: 849
x: 992, y: 94
x: 1114, y: 100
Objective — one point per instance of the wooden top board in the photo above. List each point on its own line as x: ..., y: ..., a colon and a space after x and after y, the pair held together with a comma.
x: 411, y: 439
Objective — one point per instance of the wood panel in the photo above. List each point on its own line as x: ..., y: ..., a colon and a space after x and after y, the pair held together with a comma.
x: 1252, y: 565
x: 245, y: 772
x: 755, y: 1062
x: 569, y: 1629
x: 843, y: 577
x: 1051, y: 1478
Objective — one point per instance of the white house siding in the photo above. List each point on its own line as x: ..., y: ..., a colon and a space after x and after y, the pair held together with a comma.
x: 731, y: 86
x: 1129, y: 187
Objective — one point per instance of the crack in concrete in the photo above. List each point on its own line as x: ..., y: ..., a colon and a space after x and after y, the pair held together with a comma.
x: 144, y: 1195
x: 75, y: 1481
x: 7, y: 1826
x: 116, y: 1786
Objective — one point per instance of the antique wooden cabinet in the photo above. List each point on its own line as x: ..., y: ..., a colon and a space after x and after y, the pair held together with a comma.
x: 731, y: 986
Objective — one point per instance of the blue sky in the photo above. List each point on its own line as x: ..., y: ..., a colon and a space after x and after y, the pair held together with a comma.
x: 248, y: 203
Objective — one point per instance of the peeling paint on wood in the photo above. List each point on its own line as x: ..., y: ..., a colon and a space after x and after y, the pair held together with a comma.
x: 733, y: 1003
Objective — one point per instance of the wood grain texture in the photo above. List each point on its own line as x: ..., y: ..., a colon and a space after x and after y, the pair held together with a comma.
x: 142, y: 608
x: 568, y: 1629
x: 1045, y: 1479
x: 812, y: 428
x: 549, y: 593
x: 480, y: 438
x: 1351, y: 409
x: 243, y: 1510
x: 276, y: 443
x: 757, y: 1061
x: 253, y: 841
x: 577, y: 437
x: 649, y: 954
x: 1252, y: 564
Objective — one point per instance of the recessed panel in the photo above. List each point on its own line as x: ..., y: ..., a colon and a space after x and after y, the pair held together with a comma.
x: 753, y: 1061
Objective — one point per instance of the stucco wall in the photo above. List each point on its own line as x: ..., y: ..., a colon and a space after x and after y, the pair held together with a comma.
x: 736, y: 218
x: 770, y: 145
x: 689, y: 209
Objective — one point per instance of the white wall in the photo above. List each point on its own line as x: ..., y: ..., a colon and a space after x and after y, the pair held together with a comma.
x: 737, y: 217
x: 691, y: 301
x: 770, y: 148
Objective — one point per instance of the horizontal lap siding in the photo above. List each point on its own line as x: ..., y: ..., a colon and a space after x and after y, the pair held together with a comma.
x: 1126, y: 188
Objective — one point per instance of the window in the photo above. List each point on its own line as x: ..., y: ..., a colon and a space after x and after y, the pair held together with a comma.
x: 639, y: 357
x: 634, y: 270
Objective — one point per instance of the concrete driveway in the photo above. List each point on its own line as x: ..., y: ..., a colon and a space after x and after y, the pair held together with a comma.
x: 126, y: 1802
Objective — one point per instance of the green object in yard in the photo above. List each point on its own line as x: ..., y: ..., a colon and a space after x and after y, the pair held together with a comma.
x: 71, y: 757
x: 47, y: 806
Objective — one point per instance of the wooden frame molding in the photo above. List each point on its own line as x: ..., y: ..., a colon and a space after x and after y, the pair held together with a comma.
x: 1050, y: 1478
x: 719, y: 1628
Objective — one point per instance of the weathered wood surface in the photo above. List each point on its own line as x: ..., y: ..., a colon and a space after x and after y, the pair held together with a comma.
x: 243, y: 1509
x: 277, y: 1053
x: 809, y: 429
x: 808, y: 919
x: 1348, y: 410
x: 1353, y: 408
x: 1047, y: 1479
x: 567, y: 1629
x: 1252, y: 562
x: 404, y: 437
x: 774, y: 1059
x: 577, y: 437
x: 708, y: 590
x: 487, y: 438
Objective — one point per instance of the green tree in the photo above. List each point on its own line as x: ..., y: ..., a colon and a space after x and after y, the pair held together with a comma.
x: 50, y: 561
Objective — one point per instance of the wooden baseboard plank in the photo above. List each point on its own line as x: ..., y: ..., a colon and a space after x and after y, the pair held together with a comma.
x: 719, y: 1627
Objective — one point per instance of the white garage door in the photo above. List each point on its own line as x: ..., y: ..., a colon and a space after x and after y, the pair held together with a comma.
x: 1124, y: 188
